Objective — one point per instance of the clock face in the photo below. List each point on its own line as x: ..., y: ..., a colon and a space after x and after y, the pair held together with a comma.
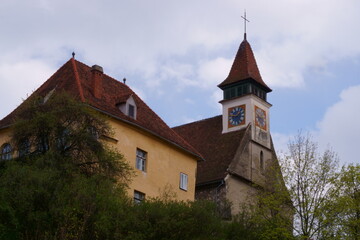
x: 236, y: 116
x: 260, y: 118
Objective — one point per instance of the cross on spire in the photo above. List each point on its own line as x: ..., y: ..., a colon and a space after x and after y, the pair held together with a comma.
x: 245, y: 20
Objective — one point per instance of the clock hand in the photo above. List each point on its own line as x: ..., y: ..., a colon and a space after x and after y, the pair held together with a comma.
x: 234, y: 115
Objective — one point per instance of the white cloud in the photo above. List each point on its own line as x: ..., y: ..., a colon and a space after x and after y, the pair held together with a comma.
x: 214, y: 101
x: 281, y: 142
x: 136, y: 35
x: 339, y: 129
x: 16, y: 82
x: 340, y: 126
x: 213, y: 72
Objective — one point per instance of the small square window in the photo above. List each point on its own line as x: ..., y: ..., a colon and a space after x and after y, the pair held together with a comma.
x: 183, y: 181
x: 139, y: 196
x: 131, y: 111
x: 141, y: 160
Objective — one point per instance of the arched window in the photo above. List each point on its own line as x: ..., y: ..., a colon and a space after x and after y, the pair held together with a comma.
x: 6, y: 152
x: 24, y: 147
x: 262, y: 166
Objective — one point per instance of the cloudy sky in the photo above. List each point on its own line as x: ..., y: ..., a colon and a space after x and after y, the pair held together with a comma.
x: 174, y: 53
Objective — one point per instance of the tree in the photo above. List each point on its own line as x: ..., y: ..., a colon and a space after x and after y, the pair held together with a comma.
x: 66, y: 183
x: 343, y: 210
x: 309, y: 177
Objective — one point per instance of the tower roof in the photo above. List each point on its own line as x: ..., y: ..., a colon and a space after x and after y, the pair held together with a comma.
x: 244, y: 68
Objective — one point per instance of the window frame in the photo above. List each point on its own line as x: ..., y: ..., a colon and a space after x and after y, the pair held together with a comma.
x: 184, y: 181
x: 6, y: 151
x: 141, y: 160
x: 138, y: 197
x: 131, y: 111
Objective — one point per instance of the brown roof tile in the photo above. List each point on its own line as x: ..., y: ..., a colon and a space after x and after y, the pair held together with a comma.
x: 244, y: 67
x: 75, y: 78
x: 218, y: 149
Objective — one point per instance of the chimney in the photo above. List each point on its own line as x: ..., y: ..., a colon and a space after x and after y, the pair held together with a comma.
x: 96, y: 79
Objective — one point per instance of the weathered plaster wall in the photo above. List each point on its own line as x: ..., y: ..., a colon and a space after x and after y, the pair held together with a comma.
x: 165, y: 162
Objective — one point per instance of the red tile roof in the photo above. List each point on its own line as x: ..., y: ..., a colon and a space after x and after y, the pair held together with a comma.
x: 75, y: 78
x: 244, y: 67
x: 218, y: 149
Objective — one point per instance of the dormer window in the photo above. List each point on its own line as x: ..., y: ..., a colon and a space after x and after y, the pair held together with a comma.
x: 131, y: 111
x: 128, y: 107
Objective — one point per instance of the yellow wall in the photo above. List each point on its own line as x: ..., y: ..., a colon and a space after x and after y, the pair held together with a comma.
x: 165, y: 162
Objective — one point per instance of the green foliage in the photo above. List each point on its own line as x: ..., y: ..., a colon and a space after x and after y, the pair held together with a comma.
x: 157, y: 219
x: 70, y: 130
x: 67, y: 185
x: 342, y: 211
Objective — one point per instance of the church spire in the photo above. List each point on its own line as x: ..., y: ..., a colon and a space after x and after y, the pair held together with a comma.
x: 244, y: 68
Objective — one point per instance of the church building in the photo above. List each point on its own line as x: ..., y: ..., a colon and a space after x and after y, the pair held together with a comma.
x: 236, y: 145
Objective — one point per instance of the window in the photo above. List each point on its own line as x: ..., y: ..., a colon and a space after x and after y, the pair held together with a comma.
x: 63, y: 140
x: 6, y: 152
x: 139, y: 196
x: 262, y: 167
x: 183, y: 181
x: 24, y: 147
x: 128, y: 107
x: 141, y: 160
x: 94, y: 132
x: 232, y: 93
x: 131, y: 111
x: 43, y: 145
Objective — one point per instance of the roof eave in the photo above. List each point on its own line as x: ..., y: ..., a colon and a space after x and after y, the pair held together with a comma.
x: 224, y: 85
x: 198, y: 157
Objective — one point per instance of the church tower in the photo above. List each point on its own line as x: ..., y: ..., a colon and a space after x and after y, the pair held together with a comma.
x: 245, y: 97
x: 236, y: 145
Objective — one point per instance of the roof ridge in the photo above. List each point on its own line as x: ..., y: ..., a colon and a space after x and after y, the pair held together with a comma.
x: 77, y: 78
x: 201, y: 120
x: 108, y: 76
